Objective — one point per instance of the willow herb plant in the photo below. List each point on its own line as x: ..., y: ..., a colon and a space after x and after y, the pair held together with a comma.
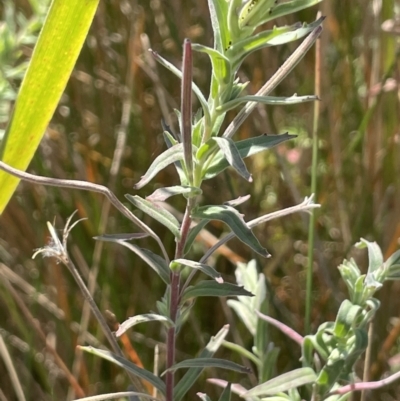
x: 200, y: 151
x: 328, y: 357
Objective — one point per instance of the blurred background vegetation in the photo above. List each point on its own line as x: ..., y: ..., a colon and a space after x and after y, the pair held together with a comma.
x: 112, y: 110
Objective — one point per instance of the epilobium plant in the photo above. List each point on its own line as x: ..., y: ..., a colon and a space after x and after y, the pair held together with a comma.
x: 200, y: 151
x: 329, y: 356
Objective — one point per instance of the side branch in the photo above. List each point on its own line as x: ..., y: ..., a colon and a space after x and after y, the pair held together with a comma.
x: 86, y: 186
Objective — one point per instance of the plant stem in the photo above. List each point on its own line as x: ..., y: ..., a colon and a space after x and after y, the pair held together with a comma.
x: 311, y: 227
x: 175, y: 299
x: 174, y: 303
x: 86, y: 186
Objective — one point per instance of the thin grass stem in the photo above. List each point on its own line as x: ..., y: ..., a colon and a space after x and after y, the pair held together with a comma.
x: 314, y: 173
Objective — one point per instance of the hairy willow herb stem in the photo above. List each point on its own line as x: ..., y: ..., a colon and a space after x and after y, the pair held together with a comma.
x: 186, y: 135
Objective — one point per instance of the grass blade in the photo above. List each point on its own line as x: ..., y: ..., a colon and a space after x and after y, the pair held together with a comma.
x: 54, y: 57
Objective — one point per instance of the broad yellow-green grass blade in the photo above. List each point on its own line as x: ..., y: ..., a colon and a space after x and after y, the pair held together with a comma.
x: 53, y: 59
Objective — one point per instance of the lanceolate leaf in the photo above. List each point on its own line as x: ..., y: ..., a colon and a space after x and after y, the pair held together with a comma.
x: 156, y: 212
x: 120, y: 396
x: 233, y: 157
x: 169, y: 156
x: 261, y: 15
x: 156, y: 262
x: 218, y: 13
x: 247, y: 147
x: 53, y: 59
x: 162, y: 194
x: 375, y: 257
x: 234, y: 220
x: 186, y: 108
x: 277, y: 36
x: 210, y: 288
x: 134, y: 320
x: 266, y: 100
x: 186, y: 383
x: 120, y: 237
x: 209, y: 363
x: 284, y: 382
x: 127, y: 365
x: 208, y: 270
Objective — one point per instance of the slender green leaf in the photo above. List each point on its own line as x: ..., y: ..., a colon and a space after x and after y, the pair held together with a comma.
x: 120, y: 237
x: 246, y: 148
x: 392, y: 267
x: 209, y: 363
x: 277, y: 36
x: 156, y: 262
x: 218, y: 13
x: 233, y: 22
x: 273, y: 100
x: 210, y: 288
x: 186, y: 108
x: 156, y: 212
x: 187, y: 381
x: 243, y: 352
x: 121, y: 395
x: 242, y: 48
x: 127, y: 365
x: 206, y: 269
x: 234, y: 220
x: 53, y: 59
x: 269, y: 364
x: 166, y: 158
x: 259, y: 14
x: 375, y: 257
x: 393, y: 259
x: 233, y: 157
x: 162, y: 194
x: 293, y: 379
